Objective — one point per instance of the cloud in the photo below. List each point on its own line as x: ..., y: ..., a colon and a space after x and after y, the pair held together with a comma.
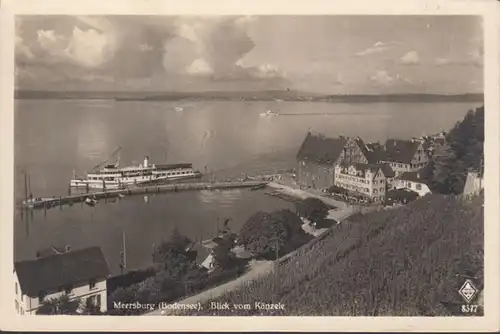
x: 21, y: 50
x: 469, y: 61
x: 410, y: 58
x: 217, y: 47
x: 88, y: 48
x: 378, y: 47
x: 269, y: 71
x: 382, y: 77
x: 199, y: 67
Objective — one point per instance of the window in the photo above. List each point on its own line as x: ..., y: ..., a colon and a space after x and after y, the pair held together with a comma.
x: 68, y: 289
x: 41, y: 296
x: 418, y: 186
x: 92, y: 283
x: 98, y: 302
x: 409, y: 184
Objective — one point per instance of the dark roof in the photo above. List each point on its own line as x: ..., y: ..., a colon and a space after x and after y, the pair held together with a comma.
x: 56, y: 271
x: 397, y: 150
x: 374, y: 152
x: 418, y: 176
x: 387, y: 170
x: 320, y: 149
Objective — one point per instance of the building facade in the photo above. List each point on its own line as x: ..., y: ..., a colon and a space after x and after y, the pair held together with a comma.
x: 318, y: 156
x: 80, y: 274
x: 366, y: 180
x: 404, y: 155
x: 413, y: 181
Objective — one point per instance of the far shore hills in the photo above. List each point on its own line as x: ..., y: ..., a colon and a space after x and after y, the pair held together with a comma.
x: 274, y: 95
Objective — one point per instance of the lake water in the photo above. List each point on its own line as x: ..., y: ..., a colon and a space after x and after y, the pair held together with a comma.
x: 55, y: 137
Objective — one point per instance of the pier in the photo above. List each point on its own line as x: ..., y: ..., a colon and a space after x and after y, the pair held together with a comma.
x: 45, y: 203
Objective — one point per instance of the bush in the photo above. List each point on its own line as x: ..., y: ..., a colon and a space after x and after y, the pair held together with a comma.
x: 270, y: 234
x: 312, y: 209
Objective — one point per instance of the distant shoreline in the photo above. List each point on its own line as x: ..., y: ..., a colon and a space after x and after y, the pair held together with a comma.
x: 266, y: 96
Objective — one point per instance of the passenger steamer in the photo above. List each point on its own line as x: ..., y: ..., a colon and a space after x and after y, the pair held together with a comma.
x: 112, y: 176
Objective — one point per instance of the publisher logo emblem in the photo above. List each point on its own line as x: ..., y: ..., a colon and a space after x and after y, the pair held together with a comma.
x: 468, y: 291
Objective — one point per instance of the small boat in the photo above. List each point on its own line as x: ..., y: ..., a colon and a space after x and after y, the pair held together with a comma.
x: 269, y: 113
x: 34, y: 202
x: 91, y: 201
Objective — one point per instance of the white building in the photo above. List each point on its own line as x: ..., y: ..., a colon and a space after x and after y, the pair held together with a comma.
x: 412, y: 181
x: 363, y: 179
x: 80, y: 274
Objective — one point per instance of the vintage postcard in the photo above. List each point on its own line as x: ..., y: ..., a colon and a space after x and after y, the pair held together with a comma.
x: 304, y: 164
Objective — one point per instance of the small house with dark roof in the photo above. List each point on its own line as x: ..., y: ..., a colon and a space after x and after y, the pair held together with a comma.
x: 80, y: 274
x: 414, y: 181
x: 367, y: 180
x: 404, y: 155
x: 318, y: 156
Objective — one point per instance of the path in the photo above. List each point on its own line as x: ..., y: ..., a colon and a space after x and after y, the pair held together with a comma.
x: 258, y: 269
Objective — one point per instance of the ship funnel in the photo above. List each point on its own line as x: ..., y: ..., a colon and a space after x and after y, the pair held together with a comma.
x: 146, y: 161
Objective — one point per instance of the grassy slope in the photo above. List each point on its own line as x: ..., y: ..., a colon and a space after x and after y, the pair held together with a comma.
x: 396, y: 262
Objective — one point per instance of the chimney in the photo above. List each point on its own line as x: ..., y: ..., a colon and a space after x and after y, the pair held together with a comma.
x: 146, y: 160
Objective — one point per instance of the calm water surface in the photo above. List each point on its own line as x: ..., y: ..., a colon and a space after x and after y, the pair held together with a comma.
x: 55, y: 137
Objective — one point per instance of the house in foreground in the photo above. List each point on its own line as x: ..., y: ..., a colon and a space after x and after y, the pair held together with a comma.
x: 414, y: 181
x: 80, y: 274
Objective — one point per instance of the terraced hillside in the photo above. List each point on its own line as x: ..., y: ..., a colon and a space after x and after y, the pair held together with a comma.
x: 409, y: 261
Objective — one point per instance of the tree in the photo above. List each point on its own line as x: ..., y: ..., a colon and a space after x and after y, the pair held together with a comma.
x: 463, y: 152
x: 174, y: 256
x: 312, y: 209
x: 61, y: 305
x: 268, y: 234
x: 90, y: 308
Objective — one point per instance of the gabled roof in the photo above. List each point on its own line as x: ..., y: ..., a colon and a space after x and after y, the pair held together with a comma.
x: 320, y: 149
x: 374, y: 152
x: 387, y: 170
x: 57, y: 271
x: 417, y: 176
x: 397, y: 150
x: 363, y: 168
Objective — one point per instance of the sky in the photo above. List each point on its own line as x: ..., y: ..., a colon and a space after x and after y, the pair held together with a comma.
x: 318, y: 54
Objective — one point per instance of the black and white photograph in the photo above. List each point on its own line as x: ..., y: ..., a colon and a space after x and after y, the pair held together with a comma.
x: 249, y: 165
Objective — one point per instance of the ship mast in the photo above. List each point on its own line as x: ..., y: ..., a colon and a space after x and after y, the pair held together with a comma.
x: 112, y: 154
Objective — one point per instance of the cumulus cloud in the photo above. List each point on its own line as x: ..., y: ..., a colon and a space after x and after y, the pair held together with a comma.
x: 410, y: 58
x: 88, y: 48
x: 382, y: 77
x: 199, y: 67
